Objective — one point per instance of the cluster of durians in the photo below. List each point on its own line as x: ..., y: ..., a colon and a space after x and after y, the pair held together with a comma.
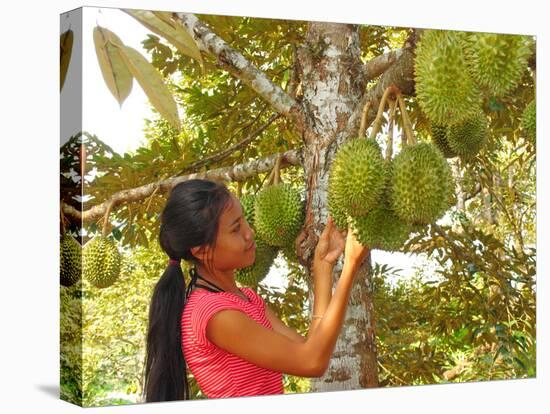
x: 276, y: 214
x: 453, y: 71
x: 383, y: 201
x: 99, y: 262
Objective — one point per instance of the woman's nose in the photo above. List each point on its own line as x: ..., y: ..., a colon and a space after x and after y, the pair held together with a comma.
x: 249, y: 235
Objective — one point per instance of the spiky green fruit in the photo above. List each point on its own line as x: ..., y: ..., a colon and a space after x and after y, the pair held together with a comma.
x: 445, y: 89
x: 529, y: 121
x: 101, y: 262
x: 254, y: 274
x: 381, y: 229
x: 247, y: 203
x: 70, y: 260
x: 439, y: 138
x: 278, y: 214
x: 467, y: 138
x: 421, y: 184
x: 356, y: 178
x: 497, y: 61
x: 338, y: 215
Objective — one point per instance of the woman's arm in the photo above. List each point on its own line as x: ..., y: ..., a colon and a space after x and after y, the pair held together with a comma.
x: 327, y: 251
x: 237, y: 333
x: 322, y: 292
x: 280, y: 327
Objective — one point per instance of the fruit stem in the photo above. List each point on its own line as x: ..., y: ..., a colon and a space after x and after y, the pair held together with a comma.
x: 63, y: 228
x: 407, y: 126
x: 274, y: 175
x: 363, y: 126
x: 106, y: 220
x: 277, y: 177
x: 270, y: 177
x: 391, y: 122
x: 378, y: 120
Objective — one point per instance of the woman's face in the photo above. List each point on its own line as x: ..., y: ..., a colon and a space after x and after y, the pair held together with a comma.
x: 235, y: 247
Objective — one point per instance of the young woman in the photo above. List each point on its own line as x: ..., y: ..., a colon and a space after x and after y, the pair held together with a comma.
x: 232, y: 342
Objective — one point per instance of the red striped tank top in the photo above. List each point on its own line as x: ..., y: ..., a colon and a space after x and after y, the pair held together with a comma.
x: 219, y: 373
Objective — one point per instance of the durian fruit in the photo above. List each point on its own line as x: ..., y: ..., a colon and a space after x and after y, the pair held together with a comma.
x: 278, y: 214
x: 439, y: 138
x: 467, y: 138
x: 356, y: 179
x: 70, y: 260
x: 421, y: 184
x: 101, y: 262
x: 497, y: 61
x: 444, y: 86
x: 529, y: 121
x: 381, y: 229
x: 254, y: 274
x: 247, y: 203
x: 339, y: 217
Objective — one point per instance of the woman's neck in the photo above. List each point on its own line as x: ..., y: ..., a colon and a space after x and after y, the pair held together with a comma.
x: 223, y: 280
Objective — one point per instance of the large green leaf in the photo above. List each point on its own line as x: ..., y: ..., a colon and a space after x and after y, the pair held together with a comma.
x: 162, y: 24
x: 152, y: 84
x: 113, y: 68
x: 66, y: 48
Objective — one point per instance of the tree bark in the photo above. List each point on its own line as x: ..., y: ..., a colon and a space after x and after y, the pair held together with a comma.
x: 332, y: 84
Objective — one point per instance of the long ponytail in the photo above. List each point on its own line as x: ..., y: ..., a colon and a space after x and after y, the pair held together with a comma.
x: 165, y: 368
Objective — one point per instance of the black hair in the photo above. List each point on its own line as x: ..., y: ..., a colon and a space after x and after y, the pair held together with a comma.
x: 190, y: 218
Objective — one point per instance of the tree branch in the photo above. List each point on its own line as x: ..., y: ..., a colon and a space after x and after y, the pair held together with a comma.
x: 236, y: 64
x: 238, y: 172
x: 379, y: 64
x: 223, y: 154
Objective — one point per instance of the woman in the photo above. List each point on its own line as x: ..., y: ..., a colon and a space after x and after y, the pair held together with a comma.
x: 232, y: 342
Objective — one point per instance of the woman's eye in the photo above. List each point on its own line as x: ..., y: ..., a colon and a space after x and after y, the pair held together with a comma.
x: 236, y: 229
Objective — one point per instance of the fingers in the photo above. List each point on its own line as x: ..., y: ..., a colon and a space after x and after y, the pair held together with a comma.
x: 330, y: 223
x: 328, y: 228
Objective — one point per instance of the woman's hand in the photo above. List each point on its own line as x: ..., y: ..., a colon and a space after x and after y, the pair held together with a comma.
x: 355, y: 252
x: 330, y: 245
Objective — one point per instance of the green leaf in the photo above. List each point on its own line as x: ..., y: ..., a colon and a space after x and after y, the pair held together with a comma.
x: 113, y: 68
x: 162, y: 24
x: 152, y: 84
x: 117, y: 234
x: 66, y: 48
x: 155, y: 147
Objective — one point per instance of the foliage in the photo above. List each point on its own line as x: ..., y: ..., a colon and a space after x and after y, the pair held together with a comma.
x: 474, y: 321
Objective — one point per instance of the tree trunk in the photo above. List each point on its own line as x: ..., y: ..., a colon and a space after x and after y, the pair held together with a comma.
x: 332, y: 85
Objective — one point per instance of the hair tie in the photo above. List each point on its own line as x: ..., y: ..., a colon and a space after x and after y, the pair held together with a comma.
x: 174, y: 261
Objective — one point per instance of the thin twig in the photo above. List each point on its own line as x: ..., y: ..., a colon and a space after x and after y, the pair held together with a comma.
x: 407, y: 126
x: 225, y: 153
x: 363, y: 126
x: 378, y: 120
x: 277, y: 177
x: 391, y: 121
x: 106, y: 219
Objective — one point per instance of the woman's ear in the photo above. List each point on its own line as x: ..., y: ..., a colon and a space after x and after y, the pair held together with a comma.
x: 200, y: 252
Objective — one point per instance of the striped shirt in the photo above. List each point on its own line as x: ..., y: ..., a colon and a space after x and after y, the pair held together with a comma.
x: 221, y: 374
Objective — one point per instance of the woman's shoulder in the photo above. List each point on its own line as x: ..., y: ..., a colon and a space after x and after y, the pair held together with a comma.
x: 253, y: 295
